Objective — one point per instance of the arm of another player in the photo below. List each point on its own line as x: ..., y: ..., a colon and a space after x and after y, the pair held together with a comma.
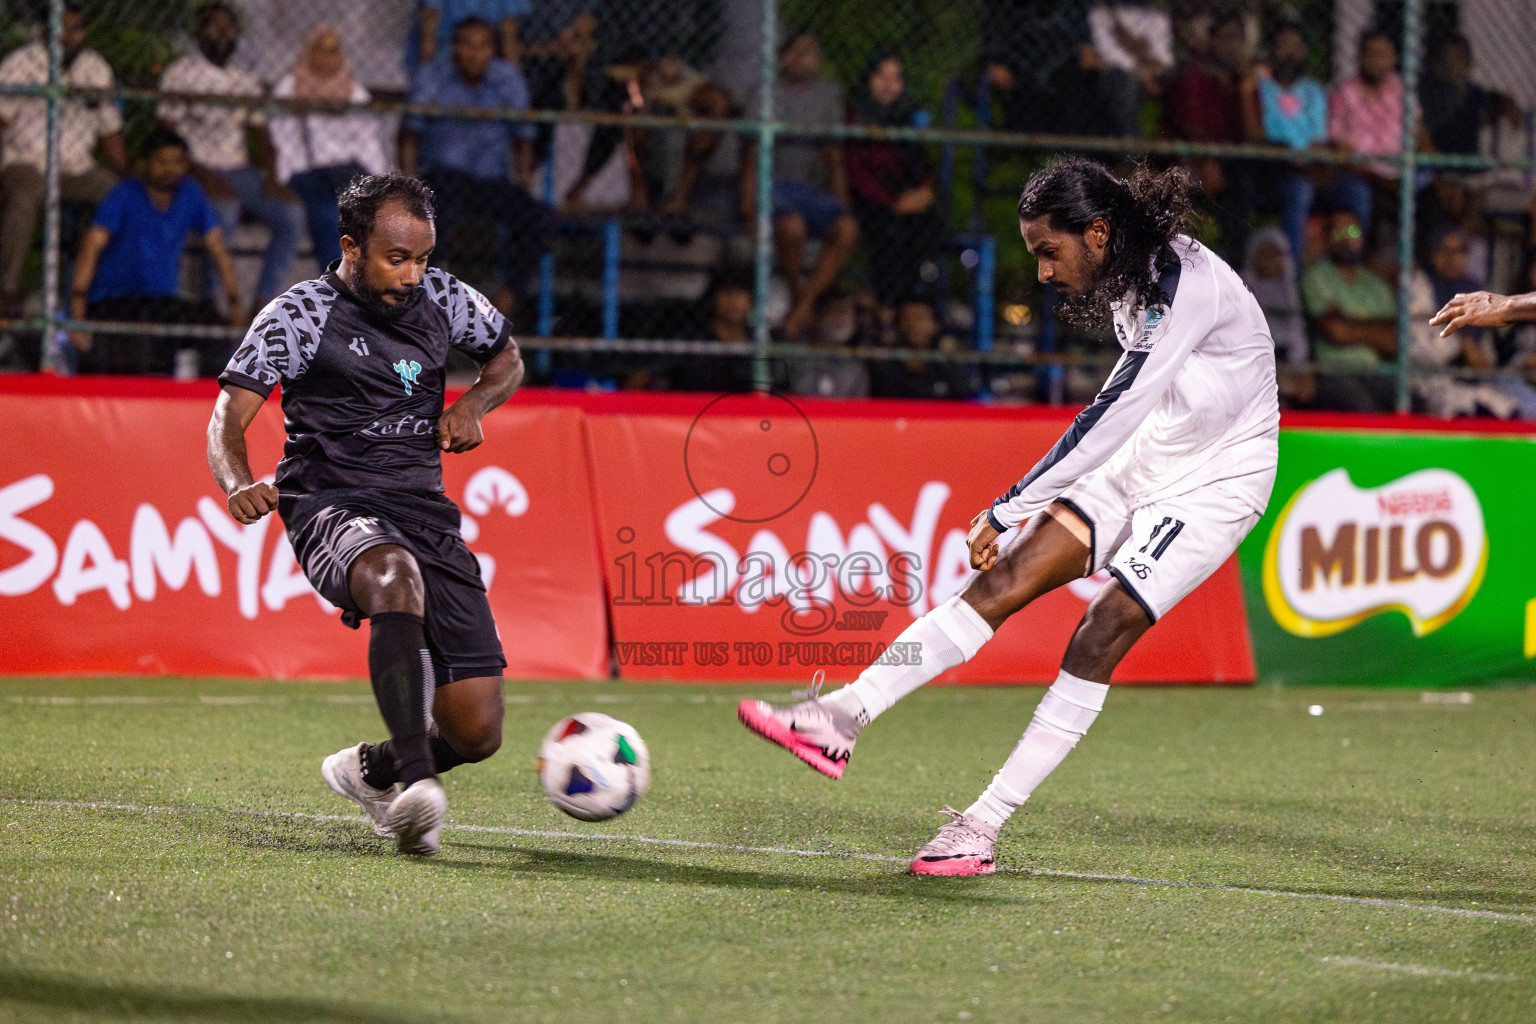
x: 249, y: 499
x: 458, y: 429
x: 1484, y: 309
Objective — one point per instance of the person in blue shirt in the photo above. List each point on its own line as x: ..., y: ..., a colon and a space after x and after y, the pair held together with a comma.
x: 1293, y: 109
x: 467, y: 161
x: 438, y: 18
x: 129, y: 264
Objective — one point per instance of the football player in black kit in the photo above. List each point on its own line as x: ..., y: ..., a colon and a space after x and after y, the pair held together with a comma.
x: 359, y: 353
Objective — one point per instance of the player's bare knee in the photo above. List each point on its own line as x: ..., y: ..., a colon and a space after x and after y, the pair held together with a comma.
x: 387, y: 579
x: 478, y: 742
x: 1114, y: 618
x: 845, y: 231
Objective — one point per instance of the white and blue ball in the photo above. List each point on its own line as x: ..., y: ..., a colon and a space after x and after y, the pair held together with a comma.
x: 593, y: 766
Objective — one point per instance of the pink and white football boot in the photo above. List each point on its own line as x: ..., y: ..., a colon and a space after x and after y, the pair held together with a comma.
x: 818, y: 733
x: 962, y: 848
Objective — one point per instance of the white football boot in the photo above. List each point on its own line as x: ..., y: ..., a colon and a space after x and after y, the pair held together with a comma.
x: 416, y: 817
x: 343, y: 772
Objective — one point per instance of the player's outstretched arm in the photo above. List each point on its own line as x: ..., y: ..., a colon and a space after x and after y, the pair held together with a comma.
x: 249, y: 500
x: 458, y: 429
x: 1484, y: 309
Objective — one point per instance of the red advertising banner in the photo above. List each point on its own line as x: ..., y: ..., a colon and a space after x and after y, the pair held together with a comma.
x: 736, y: 537
x: 117, y: 554
x: 755, y: 537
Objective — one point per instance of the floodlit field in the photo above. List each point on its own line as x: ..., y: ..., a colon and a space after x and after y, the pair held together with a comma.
x: 169, y: 852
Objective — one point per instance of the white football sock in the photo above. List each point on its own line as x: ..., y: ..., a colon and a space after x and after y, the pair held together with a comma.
x: 947, y: 636
x: 1063, y: 716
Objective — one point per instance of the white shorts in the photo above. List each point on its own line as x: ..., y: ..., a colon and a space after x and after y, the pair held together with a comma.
x: 1162, y: 550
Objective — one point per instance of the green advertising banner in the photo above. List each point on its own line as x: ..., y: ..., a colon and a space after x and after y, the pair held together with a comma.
x: 1395, y: 558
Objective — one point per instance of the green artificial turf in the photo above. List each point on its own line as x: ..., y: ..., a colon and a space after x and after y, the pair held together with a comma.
x: 215, y: 893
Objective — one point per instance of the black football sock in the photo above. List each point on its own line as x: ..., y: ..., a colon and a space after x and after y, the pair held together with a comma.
x: 379, y: 760
x: 401, y: 670
x: 379, y: 765
x: 443, y: 755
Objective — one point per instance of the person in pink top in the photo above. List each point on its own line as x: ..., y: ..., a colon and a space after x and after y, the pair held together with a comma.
x: 1365, y: 115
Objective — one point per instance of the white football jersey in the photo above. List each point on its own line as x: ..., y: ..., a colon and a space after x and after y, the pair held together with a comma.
x: 1192, y: 400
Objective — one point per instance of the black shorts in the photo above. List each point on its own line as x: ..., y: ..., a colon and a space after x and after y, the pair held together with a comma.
x: 329, y: 529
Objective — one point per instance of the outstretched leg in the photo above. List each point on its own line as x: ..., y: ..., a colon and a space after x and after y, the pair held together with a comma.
x: 1112, y: 624
x: 821, y: 732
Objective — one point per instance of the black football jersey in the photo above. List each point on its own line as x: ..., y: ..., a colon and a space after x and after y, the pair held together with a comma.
x: 361, y: 393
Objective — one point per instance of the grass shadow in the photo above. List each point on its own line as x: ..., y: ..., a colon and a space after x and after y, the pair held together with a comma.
x: 608, y: 867
x: 119, y: 1001
x: 1384, y: 872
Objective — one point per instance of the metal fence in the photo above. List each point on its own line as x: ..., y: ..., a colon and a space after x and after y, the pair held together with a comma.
x: 815, y: 196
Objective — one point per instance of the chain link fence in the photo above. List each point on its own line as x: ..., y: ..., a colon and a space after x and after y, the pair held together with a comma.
x: 818, y: 197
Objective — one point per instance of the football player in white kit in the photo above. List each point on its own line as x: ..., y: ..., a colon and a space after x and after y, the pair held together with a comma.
x: 1158, y: 481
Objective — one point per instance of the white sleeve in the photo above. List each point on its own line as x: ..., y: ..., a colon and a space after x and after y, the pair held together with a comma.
x: 1140, y: 378
x: 14, y: 71
x: 173, y: 80
x: 98, y: 75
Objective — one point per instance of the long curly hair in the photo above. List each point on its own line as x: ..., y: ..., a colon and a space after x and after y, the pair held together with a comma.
x: 1145, y: 215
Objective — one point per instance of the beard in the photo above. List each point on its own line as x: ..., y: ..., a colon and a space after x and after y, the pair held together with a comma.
x: 1086, y: 311
x: 217, y: 53
x: 372, y: 299
x: 1088, y: 308
x: 1347, y: 257
x: 1288, y: 71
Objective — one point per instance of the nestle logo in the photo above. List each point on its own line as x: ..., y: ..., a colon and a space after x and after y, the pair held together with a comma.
x: 1414, y: 503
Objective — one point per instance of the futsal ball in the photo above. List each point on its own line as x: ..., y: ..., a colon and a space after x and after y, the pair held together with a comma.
x: 593, y: 766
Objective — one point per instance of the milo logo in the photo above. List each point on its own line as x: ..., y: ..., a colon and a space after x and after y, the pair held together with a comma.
x: 1339, y: 554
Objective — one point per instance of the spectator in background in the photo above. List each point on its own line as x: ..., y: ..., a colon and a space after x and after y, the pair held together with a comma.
x: 674, y: 172
x: 319, y: 153
x: 918, y: 328
x: 559, y: 38
x: 1454, y: 107
x: 1509, y: 136
x: 1365, y: 116
x: 1441, y: 393
x: 1449, y: 201
x: 1191, y: 31
x: 1215, y: 100
x: 438, y: 18
x: 892, y: 185
x: 1354, y: 315
x: 129, y: 265
x: 729, y: 301
x: 216, y: 134
x: 1293, y: 110
x: 23, y: 152
x: 466, y: 161
x: 1042, y: 64
x: 1271, y: 276
x: 810, y: 187
x: 832, y: 375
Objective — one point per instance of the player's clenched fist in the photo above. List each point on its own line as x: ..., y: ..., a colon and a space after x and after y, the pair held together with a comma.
x: 458, y: 430
x: 249, y: 503
x: 983, y: 542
